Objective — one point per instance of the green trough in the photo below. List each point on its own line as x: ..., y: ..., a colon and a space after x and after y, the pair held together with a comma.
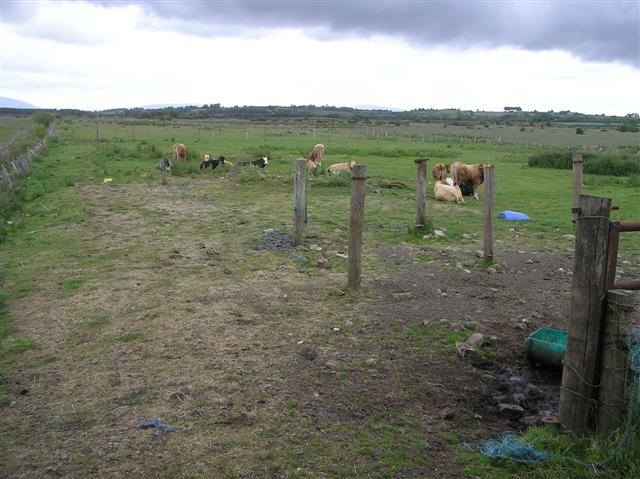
x: 547, y: 347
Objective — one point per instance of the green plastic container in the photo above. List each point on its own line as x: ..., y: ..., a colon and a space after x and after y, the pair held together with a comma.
x: 547, y: 347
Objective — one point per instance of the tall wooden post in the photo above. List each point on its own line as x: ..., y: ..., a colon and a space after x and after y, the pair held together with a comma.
x: 358, y: 183
x: 614, y: 367
x: 577, y: 185
x: 581, y: 361
x: 489, y: 200
x: 299, y: 193
x: 421, y: 193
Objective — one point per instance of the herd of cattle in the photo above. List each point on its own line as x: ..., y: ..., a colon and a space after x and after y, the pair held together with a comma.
x: 453, y: 181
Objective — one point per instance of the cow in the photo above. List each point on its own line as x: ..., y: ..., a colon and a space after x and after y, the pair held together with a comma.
x: 471, y: 173
x: 316, y: 155
x: 311, y: 165
x: 164, y: 164
x: 440, y: 171
x: 445, y: 192
x: 339, y: 167
x: 261, y: 162
x: 207, y: 162
x: 179, y: 152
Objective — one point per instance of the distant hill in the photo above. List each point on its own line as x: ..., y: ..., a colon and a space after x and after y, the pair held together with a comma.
x: 12, y: 103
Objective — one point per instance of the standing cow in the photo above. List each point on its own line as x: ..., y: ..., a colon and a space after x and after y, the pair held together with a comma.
x: 179, y: 152
x: 473, y: 174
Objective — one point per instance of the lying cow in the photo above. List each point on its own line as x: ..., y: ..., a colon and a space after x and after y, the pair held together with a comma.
x: 164, y: 164
x: 261, y: 162
x: 447, y: 192
x: 440, y: 171
x: 179, y: 152
x: 207, y: 162
x: 340, y: 167
x: 471, y: 173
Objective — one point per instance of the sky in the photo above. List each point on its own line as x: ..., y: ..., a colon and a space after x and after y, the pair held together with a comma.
x: 582, y: 56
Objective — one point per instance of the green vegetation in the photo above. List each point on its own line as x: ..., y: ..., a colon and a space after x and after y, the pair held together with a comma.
x: 609, y: 164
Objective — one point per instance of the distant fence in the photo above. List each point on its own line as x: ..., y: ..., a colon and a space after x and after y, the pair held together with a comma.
x: 20, y: 165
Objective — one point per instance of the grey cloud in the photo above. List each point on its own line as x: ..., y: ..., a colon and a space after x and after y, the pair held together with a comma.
x: 592, y: 30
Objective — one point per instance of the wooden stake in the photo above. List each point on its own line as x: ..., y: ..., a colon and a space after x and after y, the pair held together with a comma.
x: 489, y: 200
x: 421, y: 193
x: 577, y: 185
x: 299, y: 192
x: 580, y: 371
x: 614, y: 368
x: 358, y: 183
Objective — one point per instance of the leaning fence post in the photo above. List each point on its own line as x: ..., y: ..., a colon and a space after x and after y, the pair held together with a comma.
x: 421, y: 192
x: 614, y: 367
x: 358, y: 183
x: 577, y: 186
x: 299, y: 193
x: 489, y: 200
x: 581, y: 361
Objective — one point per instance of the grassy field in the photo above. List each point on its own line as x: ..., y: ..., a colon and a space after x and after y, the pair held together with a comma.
x: 144, y: 297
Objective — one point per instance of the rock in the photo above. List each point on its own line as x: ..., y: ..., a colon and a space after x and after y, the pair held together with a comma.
x: 322, y: 263
x: 479, y: 253
x: 492, y: 270
x: 227, y: 271
x: 439, y: 233
x: 302, y: 270
x: 471, y: 325
x: 569, y: 237
x: 519, y: 398
x: 488, y: 377
x: 512, y: 411
x: 533, y: 392
x: 315, y: 247
x: 475, y: 340
x: 336, y: 292
x: 529, y: 261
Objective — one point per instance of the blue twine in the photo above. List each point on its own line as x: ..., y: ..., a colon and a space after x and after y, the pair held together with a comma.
x: 155, y: 423
x: 511, y: 447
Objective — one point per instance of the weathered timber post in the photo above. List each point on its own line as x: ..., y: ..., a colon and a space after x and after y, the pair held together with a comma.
x: 421, y: 193
x: 489, y: 200
x: 299, y: 193
x: 358, y: 183
x: 581, y: 361
x: 577, y: 186
x: 614, y: 367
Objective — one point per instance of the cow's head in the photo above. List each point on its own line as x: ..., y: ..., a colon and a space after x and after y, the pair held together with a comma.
x: 206, y: 158
x: 352, y: 164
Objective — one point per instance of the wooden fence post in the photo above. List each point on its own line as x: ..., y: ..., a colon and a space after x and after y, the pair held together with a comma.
x: 421, y: 193
x: 358, y: 183
x: 577, y: 186
x: 299, y: 198
x: 489, y: 200
x: 581, y: 361
x: 614, y: 367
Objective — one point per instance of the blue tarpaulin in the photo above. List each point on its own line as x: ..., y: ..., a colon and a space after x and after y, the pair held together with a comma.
x: 513, y: 216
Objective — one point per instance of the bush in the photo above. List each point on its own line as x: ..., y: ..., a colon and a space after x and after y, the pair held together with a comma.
x: 628, y: 128
x: 610, y: 164
x: 43, y: 118
x: 579, y: 131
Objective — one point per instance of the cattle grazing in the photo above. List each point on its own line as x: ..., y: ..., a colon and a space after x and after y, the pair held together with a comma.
x: 440, y: 171
x: 446, y: 192
x: 164, y: 164
x: 179, y: 152
x: 471, y: 173
x: 207, y: 162
x: 339, y: 167
x: 261, y: 162
x: 316, y: 155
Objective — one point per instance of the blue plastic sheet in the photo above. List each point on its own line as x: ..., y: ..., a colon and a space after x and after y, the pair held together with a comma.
x: 513, y: 216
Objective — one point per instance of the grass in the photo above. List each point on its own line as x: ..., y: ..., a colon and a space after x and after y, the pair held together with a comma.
x: 117, y: 307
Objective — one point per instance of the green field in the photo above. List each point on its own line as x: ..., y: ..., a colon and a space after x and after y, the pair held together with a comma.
x: 144, y: 297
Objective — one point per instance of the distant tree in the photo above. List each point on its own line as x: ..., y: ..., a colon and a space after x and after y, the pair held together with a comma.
x: 579, y: 131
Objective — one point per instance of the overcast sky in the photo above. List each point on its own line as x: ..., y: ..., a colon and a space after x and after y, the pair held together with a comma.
x: 562, y: 55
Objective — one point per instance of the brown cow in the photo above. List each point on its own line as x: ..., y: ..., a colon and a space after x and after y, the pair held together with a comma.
x: 471, y: 173
x: 440, y: 171
x: 179, y: 152
x: 316, y: 155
